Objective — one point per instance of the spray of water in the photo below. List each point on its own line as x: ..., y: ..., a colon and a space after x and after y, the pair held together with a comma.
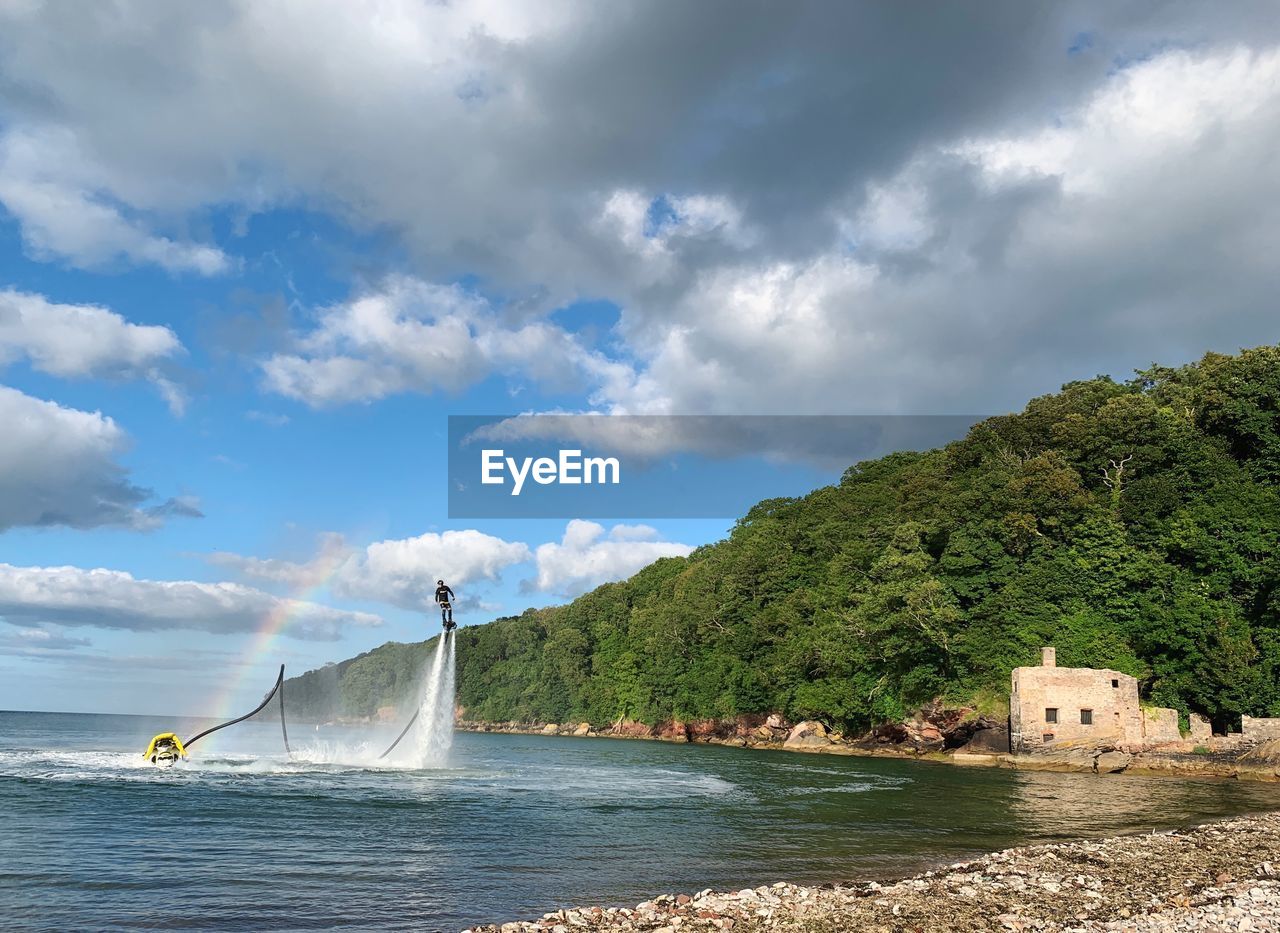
x: 435, y: 715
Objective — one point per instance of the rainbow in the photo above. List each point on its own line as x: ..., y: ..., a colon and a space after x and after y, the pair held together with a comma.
x: 256, y: 661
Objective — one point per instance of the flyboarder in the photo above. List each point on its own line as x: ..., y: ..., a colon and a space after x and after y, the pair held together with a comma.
x: 444, y: 597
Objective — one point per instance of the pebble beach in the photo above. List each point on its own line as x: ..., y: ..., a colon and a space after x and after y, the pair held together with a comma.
x: 1217, y: 876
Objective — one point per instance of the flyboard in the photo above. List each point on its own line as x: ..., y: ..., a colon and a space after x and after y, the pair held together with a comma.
x: 166, y: 749
x: 414, y: 718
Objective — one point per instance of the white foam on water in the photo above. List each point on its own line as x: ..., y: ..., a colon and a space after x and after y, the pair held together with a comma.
x: 605, y: 784
x: 57, y: 765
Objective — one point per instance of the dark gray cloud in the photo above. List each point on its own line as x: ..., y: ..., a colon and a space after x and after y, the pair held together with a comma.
x: 58, y: 466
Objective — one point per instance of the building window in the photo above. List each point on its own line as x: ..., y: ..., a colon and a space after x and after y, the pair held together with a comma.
x: 1051, y: 714
x: 1086, y: 717
x: 1115, y: 684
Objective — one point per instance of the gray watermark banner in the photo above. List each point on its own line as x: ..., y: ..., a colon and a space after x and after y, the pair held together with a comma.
x: 664, y: 466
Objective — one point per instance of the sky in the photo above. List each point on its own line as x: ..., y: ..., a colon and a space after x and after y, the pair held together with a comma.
x: 253, y: 255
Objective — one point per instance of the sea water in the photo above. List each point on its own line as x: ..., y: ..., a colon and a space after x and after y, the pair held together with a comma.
x: 243, y: 838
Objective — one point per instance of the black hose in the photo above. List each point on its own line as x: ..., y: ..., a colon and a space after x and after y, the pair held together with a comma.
x: 261, y: 706
x: 412, y: 720
x: 284, y: 730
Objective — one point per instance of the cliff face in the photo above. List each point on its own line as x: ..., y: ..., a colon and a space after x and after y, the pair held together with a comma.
x: 925, y: 575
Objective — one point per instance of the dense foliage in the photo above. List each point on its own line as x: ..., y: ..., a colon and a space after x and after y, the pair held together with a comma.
x: 1133, y: 525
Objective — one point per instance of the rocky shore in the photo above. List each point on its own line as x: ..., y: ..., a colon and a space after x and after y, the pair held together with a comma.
x: 949, y: 736
x: 1219, y: 876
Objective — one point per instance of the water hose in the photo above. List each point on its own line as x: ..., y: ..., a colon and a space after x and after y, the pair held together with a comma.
x: 278, y: 688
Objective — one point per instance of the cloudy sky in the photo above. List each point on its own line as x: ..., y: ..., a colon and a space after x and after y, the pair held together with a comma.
x: 252, y: 255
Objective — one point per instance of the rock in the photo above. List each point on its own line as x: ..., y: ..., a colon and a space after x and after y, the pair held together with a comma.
x: 550, y: 728
x: 808, y: 734
x: 775, y: 721
x: 970, y: 758
x: 1267, y: 752
x: 674, y: 731
x: 923, y: 735
x: 631, y: 729
x: 1055, y: 758
x: 584, y: 728
x: 1113, y: 762
x: 986, y: 740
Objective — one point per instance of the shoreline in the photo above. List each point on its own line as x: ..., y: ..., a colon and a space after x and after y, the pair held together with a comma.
x: 1221, y: 875
x: 1067, y: 758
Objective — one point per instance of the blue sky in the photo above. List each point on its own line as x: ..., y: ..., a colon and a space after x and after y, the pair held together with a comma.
x: 252, y: 256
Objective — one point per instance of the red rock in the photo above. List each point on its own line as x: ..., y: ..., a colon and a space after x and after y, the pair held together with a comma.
x: 629, y: 727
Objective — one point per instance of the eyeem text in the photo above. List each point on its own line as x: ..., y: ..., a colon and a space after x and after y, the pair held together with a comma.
x: 569, y: 469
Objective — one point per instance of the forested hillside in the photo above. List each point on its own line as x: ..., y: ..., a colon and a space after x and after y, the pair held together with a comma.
x: 1133, y: 525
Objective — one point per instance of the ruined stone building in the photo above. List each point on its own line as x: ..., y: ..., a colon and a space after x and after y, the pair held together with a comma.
x: 1051, y: 705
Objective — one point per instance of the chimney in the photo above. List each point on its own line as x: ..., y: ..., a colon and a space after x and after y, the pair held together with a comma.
x: 1048, y: 657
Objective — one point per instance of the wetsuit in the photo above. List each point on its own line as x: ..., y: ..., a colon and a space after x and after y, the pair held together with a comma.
x: 444, y: 595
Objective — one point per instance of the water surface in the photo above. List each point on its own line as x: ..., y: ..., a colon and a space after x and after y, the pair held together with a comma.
x: 243, y: 839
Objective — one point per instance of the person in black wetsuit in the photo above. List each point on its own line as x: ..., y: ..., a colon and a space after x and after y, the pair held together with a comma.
x: 444, y: 596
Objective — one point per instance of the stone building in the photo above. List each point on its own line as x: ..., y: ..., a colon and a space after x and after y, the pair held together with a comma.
x: 1259, y: 730
x: 1160, y: 726
x: 1050, y: 704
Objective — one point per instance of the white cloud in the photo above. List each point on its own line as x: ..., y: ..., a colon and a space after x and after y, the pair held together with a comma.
x: 405, y: 571
x: 400, y: 572
x: 112, y: 599
x: 41, y: 184
x: 586, y: 557
x: 331, y: 555
x: 58, y: 467
x: 86, y: 340
x: 415, y: 336
x: 1171, y: 105
x: 173, y: 394
x: 79, y: 340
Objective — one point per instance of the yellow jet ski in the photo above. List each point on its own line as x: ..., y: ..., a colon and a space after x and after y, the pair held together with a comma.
x: 166, y: 749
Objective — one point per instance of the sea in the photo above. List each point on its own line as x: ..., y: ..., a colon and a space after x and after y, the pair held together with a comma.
x: 245, y: 837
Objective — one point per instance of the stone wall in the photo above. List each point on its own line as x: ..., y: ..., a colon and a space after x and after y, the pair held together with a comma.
x: 1109, y: 696
x: 1160, y: 726
x: 1201, y: 728
x: 1259, y: 730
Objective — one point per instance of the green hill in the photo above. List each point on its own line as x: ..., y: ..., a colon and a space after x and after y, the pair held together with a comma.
x: 1133, y: 525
